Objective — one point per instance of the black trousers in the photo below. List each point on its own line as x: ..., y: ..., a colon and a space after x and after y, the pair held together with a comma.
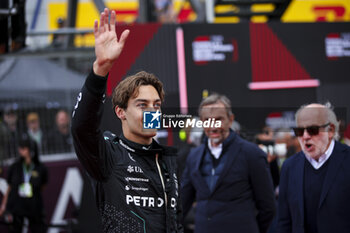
x: 36, y: 224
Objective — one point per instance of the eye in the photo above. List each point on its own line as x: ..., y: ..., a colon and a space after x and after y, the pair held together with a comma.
x: 157, y: 105
x: 142, y: 105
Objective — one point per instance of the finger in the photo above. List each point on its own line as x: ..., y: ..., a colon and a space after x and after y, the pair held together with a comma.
x: 123, y: 37
x: 112, y: 21
x: 106, y: 25
x: 96, y: 28
x: 102, y: 22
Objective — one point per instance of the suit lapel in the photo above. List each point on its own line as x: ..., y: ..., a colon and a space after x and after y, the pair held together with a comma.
x: 333, y: 168
x: 197, y: 173
x: 299, y: 179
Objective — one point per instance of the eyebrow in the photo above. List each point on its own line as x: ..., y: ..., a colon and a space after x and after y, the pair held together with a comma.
x: 146, y: 100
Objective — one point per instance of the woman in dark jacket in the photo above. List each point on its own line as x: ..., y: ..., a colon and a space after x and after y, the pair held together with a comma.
x: 23, y: 198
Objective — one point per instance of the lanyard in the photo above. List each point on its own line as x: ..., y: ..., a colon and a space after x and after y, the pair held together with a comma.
x: 27, y: 173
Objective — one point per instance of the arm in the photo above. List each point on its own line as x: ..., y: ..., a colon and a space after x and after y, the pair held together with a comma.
x: 283, y: 217
x: 88, y: 139
x: 187, y: 189
x: 262, y: 187
x: 4, y: 201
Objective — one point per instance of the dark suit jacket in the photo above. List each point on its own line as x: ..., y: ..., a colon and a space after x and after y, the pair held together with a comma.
x: 333, y: 213
x: 242, y: 200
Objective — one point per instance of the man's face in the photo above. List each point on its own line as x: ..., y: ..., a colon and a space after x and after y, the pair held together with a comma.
x: 10, y: 118
x: 33, y: 125
x: 314, y: 145
x: 62, y: 122
x: 219, y: 113
x: 24, y: 152
x: 146, y: 100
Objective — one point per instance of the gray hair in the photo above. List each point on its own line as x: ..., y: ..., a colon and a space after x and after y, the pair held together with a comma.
x: 216, y: 98
x: 331, y: 117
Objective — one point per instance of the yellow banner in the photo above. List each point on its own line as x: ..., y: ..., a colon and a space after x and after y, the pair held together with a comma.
x: 317, y: 11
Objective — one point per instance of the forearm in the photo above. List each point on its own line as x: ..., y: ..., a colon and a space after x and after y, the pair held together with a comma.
x: 89, y: 107
x: 88, y: 139
x: 4, y: 200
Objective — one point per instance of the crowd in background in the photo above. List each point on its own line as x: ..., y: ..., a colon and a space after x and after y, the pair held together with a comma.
x: 278, y: 144
x: 53, y: 139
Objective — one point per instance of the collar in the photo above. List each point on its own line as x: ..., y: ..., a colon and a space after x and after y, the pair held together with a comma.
x: 130, y: 145
x: 323, y: 158
x: 141, y: 149
x: 217, y: 151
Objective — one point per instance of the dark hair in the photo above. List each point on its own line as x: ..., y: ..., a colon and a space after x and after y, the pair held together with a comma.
x: 129, y: 87
x: 26, y: 142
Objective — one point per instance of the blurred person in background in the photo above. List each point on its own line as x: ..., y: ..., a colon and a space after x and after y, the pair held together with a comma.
x: 33, y: 129
x: 346, y: 137
x: 23, y: 199
x: 59, y: 139
x: 9, y: 132
x: 315, y: 183
x: 286, y: 136
x: 228, y: 177
x: 192, y: 137
x: 58, y: 39
x: 266, y: 142
x: 164, y: 10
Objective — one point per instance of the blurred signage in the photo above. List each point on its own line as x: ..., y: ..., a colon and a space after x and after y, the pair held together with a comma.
x: 126, y: 11
x: 317, y: 11
x: 337, y: 45
x: 87, y: 13
x: 213, y: 49
x: 280, y: 120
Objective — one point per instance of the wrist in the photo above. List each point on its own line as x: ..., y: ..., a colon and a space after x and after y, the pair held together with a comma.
x: 101, y: 69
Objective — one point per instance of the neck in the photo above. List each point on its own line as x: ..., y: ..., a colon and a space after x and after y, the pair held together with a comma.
x: 34, y: 130
x: 27, y: 160
x: 12, y: 127
x: 215, y: 144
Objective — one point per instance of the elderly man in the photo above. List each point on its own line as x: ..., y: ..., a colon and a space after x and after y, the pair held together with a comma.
x: 228, y: 177
x: 315, y: 183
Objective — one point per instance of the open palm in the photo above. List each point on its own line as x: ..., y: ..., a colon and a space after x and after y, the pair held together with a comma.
x: 107, y: 46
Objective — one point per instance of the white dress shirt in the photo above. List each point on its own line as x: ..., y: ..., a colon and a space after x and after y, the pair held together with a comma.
x: 215, y: 151
x: 323, y: 158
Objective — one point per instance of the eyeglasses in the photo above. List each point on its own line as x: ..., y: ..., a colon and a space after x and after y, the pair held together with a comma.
x: 311, y: 130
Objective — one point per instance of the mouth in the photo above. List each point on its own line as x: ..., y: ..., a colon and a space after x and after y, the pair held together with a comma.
x: 214, y: 133
x: 308, y: 146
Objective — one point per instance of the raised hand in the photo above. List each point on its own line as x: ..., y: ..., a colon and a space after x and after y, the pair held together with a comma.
x: 107, y: 46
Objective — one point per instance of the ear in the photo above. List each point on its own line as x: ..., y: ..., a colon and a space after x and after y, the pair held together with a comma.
x: 331, y: 130
x: 120, y: 112
x: 232, y: 118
